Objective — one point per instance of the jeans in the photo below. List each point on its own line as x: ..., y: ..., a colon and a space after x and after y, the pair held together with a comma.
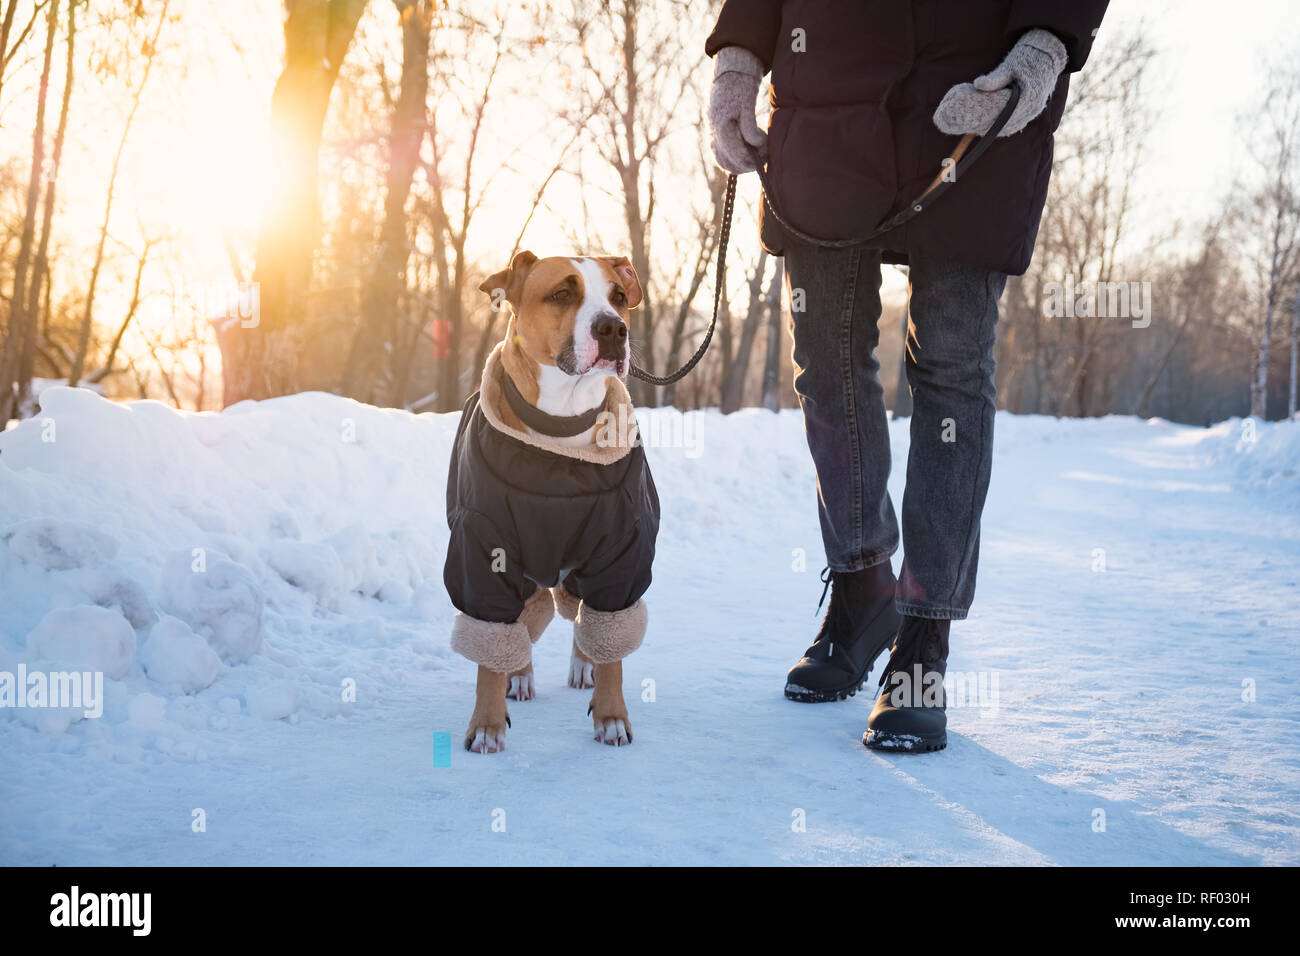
x: 954, y: 312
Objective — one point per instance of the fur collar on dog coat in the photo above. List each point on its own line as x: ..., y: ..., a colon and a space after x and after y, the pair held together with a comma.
x: 527, y: 512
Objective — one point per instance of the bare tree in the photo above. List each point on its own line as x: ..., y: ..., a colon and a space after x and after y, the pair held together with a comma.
x: 8, y: 50
x: 17, y: 326
x: 641, y: 92
x: 1268, y: 213
x: 26, y: 357
x: 88, y: 316
x: 262, y: 360
x: 1192, y: 291
x: 133, y: 307
x: 1064, y: 365
x: 376, y: 334
x: 737, y: 363
x: 697, y: 268
x: 1291, y: 407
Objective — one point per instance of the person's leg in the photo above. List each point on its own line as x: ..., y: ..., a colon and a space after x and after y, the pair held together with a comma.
x: 835, y: 298
x: 954, y: 313
x: 835, y: 308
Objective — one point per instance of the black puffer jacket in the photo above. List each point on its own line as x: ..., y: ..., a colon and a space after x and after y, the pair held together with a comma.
x: 554, y: 518
x: 852, y: 135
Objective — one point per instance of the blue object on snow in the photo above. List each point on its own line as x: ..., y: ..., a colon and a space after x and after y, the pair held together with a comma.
x: 441, y: 749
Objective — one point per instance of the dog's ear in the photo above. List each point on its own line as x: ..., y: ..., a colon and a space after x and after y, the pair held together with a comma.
x: 626, y: 275
x: 509, y: 282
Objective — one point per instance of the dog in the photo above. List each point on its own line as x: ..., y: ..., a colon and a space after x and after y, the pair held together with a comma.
x: 550, y: 500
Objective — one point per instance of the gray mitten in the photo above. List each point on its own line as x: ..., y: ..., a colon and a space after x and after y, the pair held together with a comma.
x: 1035, y: 62
x: 733, y: 129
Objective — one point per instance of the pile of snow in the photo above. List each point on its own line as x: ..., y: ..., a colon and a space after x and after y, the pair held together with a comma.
x: 1260, y: 454
x: 212, y: 556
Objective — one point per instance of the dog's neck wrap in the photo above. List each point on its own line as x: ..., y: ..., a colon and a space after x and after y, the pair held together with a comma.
x: 612, y: 440
x: 554, y: 426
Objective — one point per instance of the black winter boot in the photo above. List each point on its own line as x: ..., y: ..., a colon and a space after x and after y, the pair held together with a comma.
x: 859, y: 623
x: 910, y: 715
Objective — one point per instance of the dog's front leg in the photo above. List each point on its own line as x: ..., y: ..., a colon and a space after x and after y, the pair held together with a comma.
x: 487, y: 726
x: 606, y: 637
x: 608, y: 709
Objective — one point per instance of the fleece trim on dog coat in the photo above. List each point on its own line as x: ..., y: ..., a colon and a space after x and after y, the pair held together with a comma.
x: 527, y: 513
x: 609, y: 636
x: 504, y: 648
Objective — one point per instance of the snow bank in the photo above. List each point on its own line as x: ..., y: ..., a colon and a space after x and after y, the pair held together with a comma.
x: 250, y: 561
x: 258, y: 560
x: 1259, y: 454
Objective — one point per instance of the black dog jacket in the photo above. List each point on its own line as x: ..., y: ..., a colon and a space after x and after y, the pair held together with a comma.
x: 526, y: 512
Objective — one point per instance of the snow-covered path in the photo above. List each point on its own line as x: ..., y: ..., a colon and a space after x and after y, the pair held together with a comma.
x: 1139, y: 583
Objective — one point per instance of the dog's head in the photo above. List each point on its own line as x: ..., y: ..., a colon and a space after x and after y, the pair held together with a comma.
x: 569, y: 312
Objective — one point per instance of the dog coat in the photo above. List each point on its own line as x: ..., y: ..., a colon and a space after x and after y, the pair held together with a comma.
x: 527, y: 513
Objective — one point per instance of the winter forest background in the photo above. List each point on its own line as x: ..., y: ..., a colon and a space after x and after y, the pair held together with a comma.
x: 349, y: 171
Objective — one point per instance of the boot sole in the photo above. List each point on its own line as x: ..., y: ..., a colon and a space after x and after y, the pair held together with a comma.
x: 903, y: 743
x: 806, y: 695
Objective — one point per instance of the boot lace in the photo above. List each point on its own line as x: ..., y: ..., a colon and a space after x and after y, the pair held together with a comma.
x: 909, y: 648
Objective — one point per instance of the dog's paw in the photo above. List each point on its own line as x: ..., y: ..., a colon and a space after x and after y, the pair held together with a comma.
x: 486, y: 739
x: 615, y: 731
x: 522, y: 686
x: 581, y: 672
x: 487, y: 730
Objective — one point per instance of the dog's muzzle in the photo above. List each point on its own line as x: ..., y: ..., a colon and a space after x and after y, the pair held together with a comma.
x: 610, y: 332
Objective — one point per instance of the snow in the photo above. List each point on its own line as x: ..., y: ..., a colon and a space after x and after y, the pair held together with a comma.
x: 84, y: 638
x: 179, y: 659
x: 262, y: 590
x: 217, y: 597
x: 60, y: 545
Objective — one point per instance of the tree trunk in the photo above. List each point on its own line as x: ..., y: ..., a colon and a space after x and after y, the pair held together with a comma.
x: 261, y: 361
x: 733, y: 383
x: 16, y: 329
x: 373, y: 355
x: 1259, y: 395
x: 27, y: 355
x: 772, y: 367
x: 10, y: 9
x: 1295, y: 355
x: 643, y: 319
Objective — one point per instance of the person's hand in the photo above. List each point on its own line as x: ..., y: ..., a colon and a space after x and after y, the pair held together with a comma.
x: 1034, y: 62
x: 733, y: 129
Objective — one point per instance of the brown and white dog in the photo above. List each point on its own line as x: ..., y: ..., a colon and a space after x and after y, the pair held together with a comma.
x: 550, y: 500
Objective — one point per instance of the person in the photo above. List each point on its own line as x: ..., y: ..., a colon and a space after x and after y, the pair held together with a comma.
x: 868, y: 97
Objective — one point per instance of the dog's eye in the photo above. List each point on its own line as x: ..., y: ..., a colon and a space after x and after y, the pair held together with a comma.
x: 618, y: 298
x: 559, y: 297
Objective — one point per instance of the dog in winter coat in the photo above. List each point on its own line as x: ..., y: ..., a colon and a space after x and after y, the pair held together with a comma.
x: 549, y: 496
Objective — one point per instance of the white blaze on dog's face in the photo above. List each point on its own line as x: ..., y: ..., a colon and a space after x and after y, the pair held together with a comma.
x: 571, y: 314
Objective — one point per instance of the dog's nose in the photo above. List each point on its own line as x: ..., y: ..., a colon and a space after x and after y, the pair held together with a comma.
x: 609, y: 327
